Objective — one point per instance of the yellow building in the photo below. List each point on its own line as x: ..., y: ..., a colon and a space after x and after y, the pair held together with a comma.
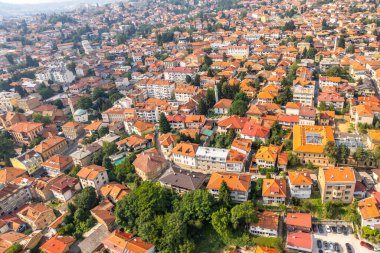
x: 51, y: 146
x: 309, y: 142
x: 373, y: 139
x: 29, y: 161
x: 337, y: 184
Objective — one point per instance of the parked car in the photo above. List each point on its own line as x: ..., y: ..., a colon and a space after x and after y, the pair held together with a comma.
x: 377, y: 249
x: 349, y: 248
x: 315, y: 228
x: 339, y: 230
x: 345, y: 230
x: 319, y: 244
x: 337, y: 247
x: 331, y: 246
x: 22, y: 228
x: 366, y: 245
x: 333, y: 229
x: 325, y: 245
x: 328, y: 229
x: 320, y: 251
x: 320, y: 228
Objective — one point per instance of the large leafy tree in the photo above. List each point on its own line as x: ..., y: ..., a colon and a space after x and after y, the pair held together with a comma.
x: 331, y: 151
x: 7, y: 148
x: 243, y: 214
x: 87, y: 199
x: 164, y: 124
x: 225, y: 195
x: 220, y: 221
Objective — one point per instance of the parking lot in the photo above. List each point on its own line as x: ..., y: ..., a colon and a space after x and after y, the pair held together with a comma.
x: 342, y: 240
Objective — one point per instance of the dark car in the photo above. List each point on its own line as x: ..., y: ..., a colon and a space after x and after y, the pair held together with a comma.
x: 349, y: 248
x: 320, y: 251
x: 325, y: 245
x: 336, y: 247
x: 366, y: 245
x: 333, y: 229
x: 315, y: 228
x: 320, y: 228
x: 319, y: 244
x: 22, y: 228
x: 345, y: 230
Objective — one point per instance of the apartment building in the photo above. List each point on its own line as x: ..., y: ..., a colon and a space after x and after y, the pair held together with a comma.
x: 93, y: 176
x: 300, y: 184
x: 28, y: 103
x: 304, y: 92
x: 178, y: 74
x: 8, y: 100
x: 29, y: 161
x: 113, y: 114
x: 25, y: 132
x: 238, y: 52
x: 183, y: 93
x: 157, y: 88
x: 268, y: 157
x: 238, y: 184
x: 13, y: 197
x: 334, y: 100
x: 309, y: 142
x: 184, y: 154
x: 73, y: 130
x: 37, y: 216
x: 57, y: 164
x: 64, y: 187
x: 211, y: 159
x: 51, y: 146
x: 329, y: 81
x: 274, y: 191
x: 337, y: 184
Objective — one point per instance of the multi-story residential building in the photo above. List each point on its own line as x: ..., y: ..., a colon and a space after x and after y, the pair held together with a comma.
x: 150, y: 164
x: 10, y: 118
x: 232, y: 123
x: 8, y: 100
x: 167, y: 142
x: 13, y: 197
x: 51, y: 146
x: 29, y: 161
x: 270, y: 157
x: 267, y: 224
x: 299, y: 241
x: 122, y: 242
x: 334, y: 100
x: 300, y: 184
x: 361, y: 114
x: 238, y: 184
x: 183, y: 93
x: 114, y: 192
x: 73, y: 130
x: 157, y: 88
x: 37, y: 216
x: 113, y: 114
x: 183, y: 180
x: 223, y: 106
x: 184, y: 154
x: 238, y: 52
x: 93, y: 176
x: 369, y: 210
x: 25, y: 132
x: 236, y: 161
x: 329, y: 81
x: 64, y: 187
x: 57, y: 164
x: 327, y: 63
x: 304, y: 91
x: 309, y: 142
x: 177, y: 122
x: 253, y: 131
x: 28, y: 103
x: 211, y: 159
x: 274, y: 191
x: 337, y: 184
x: 373, y: 138
x: 307, y: 116
x: 178, y: 74
x: 194, y: 121
x: 298, y: 222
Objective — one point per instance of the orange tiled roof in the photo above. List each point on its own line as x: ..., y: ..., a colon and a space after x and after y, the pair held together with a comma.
x: 299, y: 178
x: 234, y: 181
x: 274, y: 188
x: 338, y: 174
x: 369, y: 208
x: 301, y: 144
x: 90, y: 172
x: 186, y: 149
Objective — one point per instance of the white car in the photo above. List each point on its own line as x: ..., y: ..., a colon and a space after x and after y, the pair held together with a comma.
x: 328, y: 229
x: 377, y: 249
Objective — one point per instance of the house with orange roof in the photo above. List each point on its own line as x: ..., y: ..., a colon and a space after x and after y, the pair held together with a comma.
x: 183, y: 93
x: 309, y: 142
x: 222, y: 106
x: 133, y: 143
x: 120, y: 242
x: 300, y: 184
x: 270, y: 157
x: 373, y: 138
x: 211, y: 159
x: 93, y: 176
x: 57, y: 164
x: 304, y: 91
x: 238, y: 184
x: 242, y: 145
x: 274, y: 191
x: 57, y: 244
x: 298, y: 222
x: 369, y: 210
x: 326, y: 118
x: 93, y: 127
x: 103, y: 213
x: 72, y: 130
x: 167, y: 142
x: 150, y: 164
x: 264, y: 249
x: 299, y: 241
x: 267, y: 224
x: 113, y: 191
x: 329, y: 81
x: 194, y: 121
x: 51, y: 146
x: 292, y: 108
x: 253, y: 131
x: 183, y: 154
x: 265, y: 97
x: 337, y: 184
x: 139, y: 127
x: 231, y: 123
x: 361, y: 114
x: 25, y: 132
x: 37, y: 216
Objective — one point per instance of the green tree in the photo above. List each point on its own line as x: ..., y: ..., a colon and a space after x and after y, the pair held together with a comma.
x: 331, y: 151
x: 103, y: 131
x: 220, y: 221
x: 202, y: 107
x: 341, y: 42
x: 350, y: 49
x: 45, y: 91
x: 225, y: 195
x: 86, y: 199
x: 84, y: 103
x: 174, y: 232
x: 15, y: 248
x: 7, y: 149
x: 293, y: 160
x: 343, y: 153
x: 38, y: 117
x: 238, y: 107
x: 207, y: 60
x: 243, y: 214
x: 188, y: 79
x: 71, y: 67
x: 109, y: 148
x: 164, y: 124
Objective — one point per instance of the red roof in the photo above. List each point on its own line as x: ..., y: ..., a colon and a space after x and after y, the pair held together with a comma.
x: 300, y: 240
x: 175, y: 118
x: 299, y: 220
x: 253, y: 129
x: 288, y: 118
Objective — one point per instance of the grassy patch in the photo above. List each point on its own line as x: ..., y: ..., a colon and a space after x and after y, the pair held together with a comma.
x: 272, y: 242
x: 54, y: 203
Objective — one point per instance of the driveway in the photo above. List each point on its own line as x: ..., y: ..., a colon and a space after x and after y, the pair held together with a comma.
x: 342, y: 240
